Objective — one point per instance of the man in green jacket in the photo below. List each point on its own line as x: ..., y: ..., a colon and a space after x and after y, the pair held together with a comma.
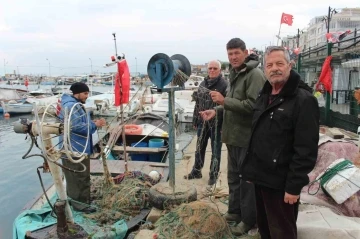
x: 246, y: 81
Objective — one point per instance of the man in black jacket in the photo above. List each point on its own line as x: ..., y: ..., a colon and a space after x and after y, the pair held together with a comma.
x: 283, y: 146
x: 208, y: 129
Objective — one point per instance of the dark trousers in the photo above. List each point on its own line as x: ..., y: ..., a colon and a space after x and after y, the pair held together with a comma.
x: 275, y: 218
x: 204, y: 133
x: 241, y: 193
x: 77, y: 184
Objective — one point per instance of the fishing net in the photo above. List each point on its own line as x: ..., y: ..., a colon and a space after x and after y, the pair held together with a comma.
x: 193, y: 220
x: 207, y: 130
x: 179, y: 78
x: 122, y: 200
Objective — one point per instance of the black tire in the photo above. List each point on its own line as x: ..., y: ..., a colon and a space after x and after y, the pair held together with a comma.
x: 163, y: 201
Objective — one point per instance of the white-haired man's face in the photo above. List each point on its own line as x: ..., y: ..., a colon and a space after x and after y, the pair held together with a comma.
x: 213, y: 70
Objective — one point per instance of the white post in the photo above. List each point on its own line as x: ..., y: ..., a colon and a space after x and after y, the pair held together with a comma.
x: 112, y: 85
x: 60, y: 189
x: 54, y: 169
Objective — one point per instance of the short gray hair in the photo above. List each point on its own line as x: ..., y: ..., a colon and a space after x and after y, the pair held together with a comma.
x: 215, y: 61
x: 278, y: 48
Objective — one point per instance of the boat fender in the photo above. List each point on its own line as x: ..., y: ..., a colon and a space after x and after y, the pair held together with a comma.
x: 133, y: 129
x: 155, y: 175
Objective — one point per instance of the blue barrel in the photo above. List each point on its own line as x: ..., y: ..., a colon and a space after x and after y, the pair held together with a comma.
x: 156, y: 143
x: 139, y: 157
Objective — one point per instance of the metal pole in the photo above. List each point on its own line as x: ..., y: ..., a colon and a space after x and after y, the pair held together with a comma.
x: 136, y: 66
x: 355, y: 39
x: 172, y: 140
x: 91, y: 66
x: 4, y: 68
x: 114, y: 34
x: 299, y: 63
x: 49, y: 67
x: 278, y: 36
x: 329, y: 48
x: 121, y: 112
x: 298, y: 38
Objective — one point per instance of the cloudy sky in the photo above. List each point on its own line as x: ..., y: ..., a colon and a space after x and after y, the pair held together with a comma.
x: 69, y: 32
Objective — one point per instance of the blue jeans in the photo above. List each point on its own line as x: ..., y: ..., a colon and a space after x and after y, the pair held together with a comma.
x: 204, y: 133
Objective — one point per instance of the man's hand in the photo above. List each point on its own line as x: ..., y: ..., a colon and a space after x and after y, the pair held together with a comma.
x: 217, y: 97
x: 207, y: 114
x: 194, y: 127
x: 291, y: 199
x: 100, y: 123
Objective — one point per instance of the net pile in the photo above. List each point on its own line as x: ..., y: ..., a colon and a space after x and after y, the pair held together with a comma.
x: 193, y: 220
x: 179, y: 78
x: 122, y: 200
x: 327, y: 154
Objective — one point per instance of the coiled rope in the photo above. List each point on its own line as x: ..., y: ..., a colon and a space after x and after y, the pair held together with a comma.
x: 330, y: 173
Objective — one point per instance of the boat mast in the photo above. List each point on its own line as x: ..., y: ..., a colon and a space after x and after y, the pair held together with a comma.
x: 121, y: 111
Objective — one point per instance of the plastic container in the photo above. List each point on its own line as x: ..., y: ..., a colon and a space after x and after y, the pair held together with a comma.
x: 156, y: 143
x: 139, y: 157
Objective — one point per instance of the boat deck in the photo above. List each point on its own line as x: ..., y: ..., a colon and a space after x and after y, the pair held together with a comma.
x: 118, y: 166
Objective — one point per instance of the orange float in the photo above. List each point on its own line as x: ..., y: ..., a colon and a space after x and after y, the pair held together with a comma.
x: 133, y: 129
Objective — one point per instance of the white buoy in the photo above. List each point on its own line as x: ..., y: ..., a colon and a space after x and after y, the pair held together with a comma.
x: 155, y: 175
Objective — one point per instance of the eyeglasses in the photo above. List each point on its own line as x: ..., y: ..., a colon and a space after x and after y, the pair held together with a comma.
x: 212, y: 68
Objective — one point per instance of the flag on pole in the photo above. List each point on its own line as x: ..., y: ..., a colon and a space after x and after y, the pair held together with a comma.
x: 337, y: 36
x: 326, y: 75
x: 122, y: 83
x: 287, y: 19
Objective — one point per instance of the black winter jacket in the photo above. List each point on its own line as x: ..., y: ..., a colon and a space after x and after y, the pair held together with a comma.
x: 204, y: 101
x: 284, y: 140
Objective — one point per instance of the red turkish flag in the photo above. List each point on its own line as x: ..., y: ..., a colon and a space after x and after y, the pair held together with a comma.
x: 122, y: 83
x: 287, y: 19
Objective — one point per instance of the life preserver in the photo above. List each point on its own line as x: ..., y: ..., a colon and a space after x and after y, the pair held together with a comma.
x: 133, y: 129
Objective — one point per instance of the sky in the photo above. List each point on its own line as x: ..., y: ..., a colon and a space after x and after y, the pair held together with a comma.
x: 70, y: 36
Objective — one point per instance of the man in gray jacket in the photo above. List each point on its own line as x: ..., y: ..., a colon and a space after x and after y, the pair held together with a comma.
x: 246, y: 80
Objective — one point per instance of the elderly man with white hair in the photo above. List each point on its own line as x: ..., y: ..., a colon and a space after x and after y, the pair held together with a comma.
x: 208, y: 129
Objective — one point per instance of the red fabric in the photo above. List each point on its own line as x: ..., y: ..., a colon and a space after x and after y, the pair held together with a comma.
x: 122, y: 83
x: 287, y: 19
x: 326, y: 75
x: 26, y: 83
x: 58, y: 107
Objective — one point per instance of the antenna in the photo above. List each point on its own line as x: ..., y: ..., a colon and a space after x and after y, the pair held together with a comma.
x: 114, y: 34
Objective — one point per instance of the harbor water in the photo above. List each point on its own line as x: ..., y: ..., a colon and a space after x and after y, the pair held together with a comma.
x: 19, y: 182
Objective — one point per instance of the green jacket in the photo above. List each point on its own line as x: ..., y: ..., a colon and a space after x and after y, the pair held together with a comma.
x: 245, y: 86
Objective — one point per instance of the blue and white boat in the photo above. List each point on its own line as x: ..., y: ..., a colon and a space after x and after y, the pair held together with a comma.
x: 17, y: 107
x: 8, y: 94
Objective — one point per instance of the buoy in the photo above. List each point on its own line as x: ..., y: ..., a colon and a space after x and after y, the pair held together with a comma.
x: 155, y: 175
x: 133, y: 129
x: 7, y: 115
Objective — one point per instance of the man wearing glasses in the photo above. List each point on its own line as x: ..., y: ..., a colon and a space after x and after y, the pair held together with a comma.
x: 246, y: 80
x: 208, y: 129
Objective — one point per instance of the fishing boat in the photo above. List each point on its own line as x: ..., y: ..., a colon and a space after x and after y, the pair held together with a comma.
x: 104, y: 104
x: 16, y: 107
x: 147, y: 148
x: 184, y: 105
x: 8, y: 94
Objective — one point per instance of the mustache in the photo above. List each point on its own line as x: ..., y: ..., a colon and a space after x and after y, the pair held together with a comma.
x: 276, y: 73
